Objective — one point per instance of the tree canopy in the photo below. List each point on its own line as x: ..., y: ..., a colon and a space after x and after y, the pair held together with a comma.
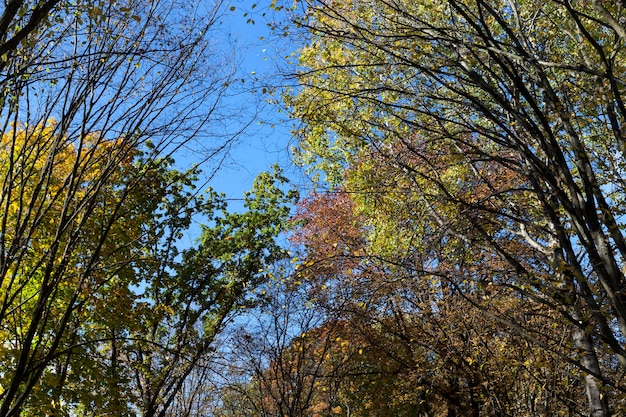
x: 481, y: 144
x: 103, y: 309
x: 461, y: 253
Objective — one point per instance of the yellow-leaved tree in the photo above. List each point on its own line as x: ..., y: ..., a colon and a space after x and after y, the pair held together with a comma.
x: 72, y: 219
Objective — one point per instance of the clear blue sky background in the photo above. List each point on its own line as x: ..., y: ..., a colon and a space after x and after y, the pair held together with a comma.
x: 261, y: 145
x: 266, y: 135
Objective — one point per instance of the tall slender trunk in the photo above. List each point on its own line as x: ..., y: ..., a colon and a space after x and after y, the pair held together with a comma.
x: 598, y: 404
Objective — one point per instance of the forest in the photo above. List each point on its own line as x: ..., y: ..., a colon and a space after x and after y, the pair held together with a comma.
x: 458, y: 248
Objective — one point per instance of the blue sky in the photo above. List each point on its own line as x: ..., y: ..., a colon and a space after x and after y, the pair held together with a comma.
x: 266, y: 140
x: 266, y: 134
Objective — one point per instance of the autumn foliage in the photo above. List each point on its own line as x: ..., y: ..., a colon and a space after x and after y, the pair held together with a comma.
x: 482, y: 146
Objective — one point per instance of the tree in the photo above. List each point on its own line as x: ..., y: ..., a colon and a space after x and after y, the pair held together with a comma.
x: 346, y: 333
x: 95, y: 99
x: 491, y: 134
x: 48, y: 276
x: 191, y: 301
x: 20, y: 22
x: 125, y: 332
x: 440, y: 350
x: 263, y: 375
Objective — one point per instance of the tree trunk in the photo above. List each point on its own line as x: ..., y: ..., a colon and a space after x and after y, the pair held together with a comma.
x: 598, y: 404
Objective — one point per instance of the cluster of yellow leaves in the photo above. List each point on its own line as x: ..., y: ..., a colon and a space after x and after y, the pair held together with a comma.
x: 65, y: 245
